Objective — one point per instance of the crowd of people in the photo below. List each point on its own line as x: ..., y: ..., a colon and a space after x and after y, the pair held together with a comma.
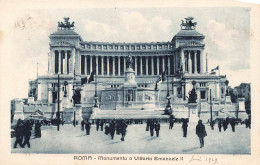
x: 119, y: 127
x: 111, y: 127
x: 23, y: 132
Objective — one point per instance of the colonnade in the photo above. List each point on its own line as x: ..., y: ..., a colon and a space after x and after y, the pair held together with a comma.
x: 61, y: 62
x: 116, y: 65
x: 192, y: 61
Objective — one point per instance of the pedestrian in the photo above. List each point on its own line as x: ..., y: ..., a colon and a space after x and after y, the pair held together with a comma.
x: 147, y: 124
x: 233, y: 124
x: 201, y: 132
x: 151, y: 125
x: 37, y: 129
x: 18, y: 133
x: 123, y: 126
x: 88, y: 126
x: 184, y: 127
x: 219, y: 125
x: 27, y: 133
x: 224, y: 125
x: 212, y: 123
x: 97, y: 124
x: 112, y: 129
x: 107, y: 128
x: 101, y: 125
x: 157, y: 128
x: 82, y: 125
x: 171, y: 123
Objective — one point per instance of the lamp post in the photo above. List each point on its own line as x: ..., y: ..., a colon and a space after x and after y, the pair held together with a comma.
x: 74, y: 112
x: 96, y: 96
x: 168, y: 108
x: 58, y: 113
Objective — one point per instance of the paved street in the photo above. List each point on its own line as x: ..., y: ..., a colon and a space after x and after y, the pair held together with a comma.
x: 72, y: 140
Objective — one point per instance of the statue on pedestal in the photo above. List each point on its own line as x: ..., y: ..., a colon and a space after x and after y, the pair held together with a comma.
x: 129, y: 61
x: 76, y: 97
x: 192, y: 94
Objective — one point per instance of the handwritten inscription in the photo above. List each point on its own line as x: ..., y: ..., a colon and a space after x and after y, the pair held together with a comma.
x: 209, y: 160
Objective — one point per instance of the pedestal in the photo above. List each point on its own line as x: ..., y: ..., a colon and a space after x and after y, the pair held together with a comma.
x: 18, y: 113
x: 228, y: 100
x: 193, y: 113
x: 65, y: 102
x: 78, y: 113
x: 56, y: 109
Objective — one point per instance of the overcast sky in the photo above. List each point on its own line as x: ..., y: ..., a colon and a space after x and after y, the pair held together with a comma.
x: 226, y: 30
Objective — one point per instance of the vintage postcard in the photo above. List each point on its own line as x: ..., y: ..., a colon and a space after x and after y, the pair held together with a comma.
x: 129, y: 82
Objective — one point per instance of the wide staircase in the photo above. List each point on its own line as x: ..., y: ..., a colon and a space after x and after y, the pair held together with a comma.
x: 128, y: 114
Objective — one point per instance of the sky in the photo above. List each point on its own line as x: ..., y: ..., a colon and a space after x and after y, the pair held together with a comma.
x: 226, y: 30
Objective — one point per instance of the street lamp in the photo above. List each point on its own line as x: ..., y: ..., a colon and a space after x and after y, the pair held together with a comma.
x: 168, y: 108
x: 58, y: 113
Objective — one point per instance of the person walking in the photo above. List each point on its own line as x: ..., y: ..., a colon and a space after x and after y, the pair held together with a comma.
x: 38, y: 129
x: 233, y: 124
x: 147, y: 124
x: 151, y: 125
x: 82, y: 125
x: 157, y: 128
x: 102, y: 125
x: 219, y: 125
x: 112, y: 128
x: 18, y: 134
x: 184, y: 127
x: 123, y: 126
x: 224, y: 125
x: 27, y: 133
x: 201, y: 132
x: 88, y: 126
x: 171, y: 123
x: 97, y: 124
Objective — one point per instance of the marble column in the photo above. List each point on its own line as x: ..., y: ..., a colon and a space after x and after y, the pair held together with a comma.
x: 202, y: 61
x: 96, y: 65
x: 49, y: 95
x: 135, y: 65
x: 158, y: 65
x: 86, y: 67
x: 124, y: 64
x: 65, y: 63
x: 163, y: 64
x: 59, y: 65
x: 108, y: 67
x: 90, y: 64
x: 102, y: 65
x: 183, y: 64
x: 189, y: 62
x: 146, y: 63
x: 119, y: 61
x: 195, y: 62
x: 141, y: 65
x: 114, y: 67
x: 152, y: 65
x: 168, y: 64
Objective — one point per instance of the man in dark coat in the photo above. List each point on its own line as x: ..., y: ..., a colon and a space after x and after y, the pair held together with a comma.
x: 219, y: 125
x: 88, y: 126
x: 151, y: 125
x: 233, y: 124
x: 102, y: 125
x: 97, y: 124
x: 184, y: 127
x: 82, y: 125
x: 123, y: 126
x: 171, y: 123
x: 18, y: 133
x: 112, y: 128
x: 38, y: 129
x: 224, y: 125
x: 157, y: 128
x: 201, y: 132
x: 147, y: 124
x: 27, y: 133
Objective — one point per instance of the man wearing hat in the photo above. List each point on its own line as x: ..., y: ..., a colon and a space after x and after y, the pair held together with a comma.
x: 201, y: 132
